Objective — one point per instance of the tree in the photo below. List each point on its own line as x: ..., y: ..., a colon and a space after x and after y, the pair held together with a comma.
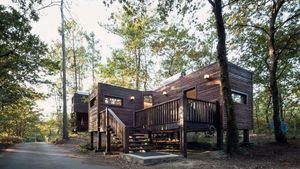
x: 274, y: 41
x: 93, y: 55
x: 136, y: 28
x: 175, y: 48
x: 65, y: 114
x: 217, y: 6
x: 22, y: 59
x: 232, y: 131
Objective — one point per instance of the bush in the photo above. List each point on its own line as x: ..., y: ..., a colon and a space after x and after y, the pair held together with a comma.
x: 10, y: 140
x: 84, y: 147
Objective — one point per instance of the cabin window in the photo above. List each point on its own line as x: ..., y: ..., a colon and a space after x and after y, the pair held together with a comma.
x: 191, y: 93
x: 148, y: 102
x: 238, y: 97
x: 93, y: 102
x: 113, y: 101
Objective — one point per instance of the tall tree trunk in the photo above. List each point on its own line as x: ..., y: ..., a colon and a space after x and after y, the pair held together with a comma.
x: 74, y: 62
x: 79, y: 78
x: 93, y: 62
x: 65, y: 114
x: 138, y: 65
x: 232, y: 130
x: 279, y: 135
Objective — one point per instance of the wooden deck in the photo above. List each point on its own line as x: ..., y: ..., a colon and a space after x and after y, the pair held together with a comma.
x: 181, y: 114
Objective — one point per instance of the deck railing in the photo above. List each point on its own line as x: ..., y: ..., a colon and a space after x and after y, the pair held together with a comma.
x: 193, y: 111
x: 200, y: 111
x: 164, y: 113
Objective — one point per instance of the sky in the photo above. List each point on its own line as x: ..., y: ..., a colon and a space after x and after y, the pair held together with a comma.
x: 88, y: 14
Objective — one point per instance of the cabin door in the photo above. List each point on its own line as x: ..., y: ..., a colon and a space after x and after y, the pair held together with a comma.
x: 191, y: 93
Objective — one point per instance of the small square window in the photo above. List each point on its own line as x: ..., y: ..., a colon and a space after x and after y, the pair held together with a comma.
x: 239, y: 97
x: 93, y: 102
x: 113, y: 101
x: 148, y: 101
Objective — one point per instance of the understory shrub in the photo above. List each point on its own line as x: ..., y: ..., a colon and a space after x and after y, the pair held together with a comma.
x: 84, y: 147
x: 10, y: 140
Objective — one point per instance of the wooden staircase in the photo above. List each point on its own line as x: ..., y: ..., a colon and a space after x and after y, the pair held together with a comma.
x: 162, y: 127
x: 139, y: 142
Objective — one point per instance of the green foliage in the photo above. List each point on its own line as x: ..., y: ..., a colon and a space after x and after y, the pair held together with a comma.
x: 85, y: 147
x: 252, y: 40
x: 24, y: 64
x: 131, y: 64
x: 22, y: 58
x: 10, y: 140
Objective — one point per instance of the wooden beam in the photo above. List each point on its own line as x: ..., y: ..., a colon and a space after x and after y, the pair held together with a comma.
x: 126, y: 140
x: 183, y: 135
x: 99, y: 141
x: 108, y: 141
x: 183, y: 142
x: 92, y: 140
x: 246, y: 136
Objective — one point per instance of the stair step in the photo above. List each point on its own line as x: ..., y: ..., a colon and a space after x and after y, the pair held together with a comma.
x: 139, y: 141
x: 139, y: 145
x: 140, y: 148
x: 137, y: 135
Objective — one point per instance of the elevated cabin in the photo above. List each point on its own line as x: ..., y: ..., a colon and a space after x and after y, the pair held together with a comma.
x: 80, y: 112
x: 192, y: 102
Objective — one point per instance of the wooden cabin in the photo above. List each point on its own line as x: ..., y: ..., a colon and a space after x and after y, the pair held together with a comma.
x: 80, y: 112
x: 149, y: 120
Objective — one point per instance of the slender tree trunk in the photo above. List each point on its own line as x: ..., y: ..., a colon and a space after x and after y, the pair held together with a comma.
x: 267, y: 111
x: 138, y: 69
x: 257, y: 116
x: 279, y: 135
x: 79, y: 78
x: 74, y: 62
x: 65, y: 113
x: 93, y: 62
x: 232, y: 130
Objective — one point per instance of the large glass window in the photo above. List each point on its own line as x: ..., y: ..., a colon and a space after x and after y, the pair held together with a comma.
x: 239, y: 97
x: 148, y: 102
x: 113, y: 101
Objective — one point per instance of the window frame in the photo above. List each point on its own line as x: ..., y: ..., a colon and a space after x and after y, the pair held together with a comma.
x: 144, y: 100
x: 241, y: 94
x: 93, y: 100
x: 113, y: 97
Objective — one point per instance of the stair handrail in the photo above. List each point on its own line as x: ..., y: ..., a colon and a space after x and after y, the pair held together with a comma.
x: 122, y: 131
x: 116, y: 117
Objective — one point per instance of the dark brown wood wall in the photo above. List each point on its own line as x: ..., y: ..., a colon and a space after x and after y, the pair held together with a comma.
x: 207, y: 89
x: 125, y: 112
x: 80, y: 103
x: 241, y: 80
x: 93, y: 111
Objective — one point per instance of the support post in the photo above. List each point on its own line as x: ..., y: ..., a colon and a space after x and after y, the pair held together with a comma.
x: 183, y: 142
x: 220, y: 133
x: 183, y: 135
x: 92, y: 140
x: 150, y: 137
x: 246, y: 136
x: 126, y: 140
x: 219, y: 125
x: 98, y: 141
x: 108, y: 142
